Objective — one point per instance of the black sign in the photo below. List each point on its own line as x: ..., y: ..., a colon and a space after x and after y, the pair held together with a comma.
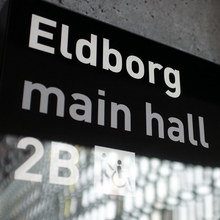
x: 69, y: 77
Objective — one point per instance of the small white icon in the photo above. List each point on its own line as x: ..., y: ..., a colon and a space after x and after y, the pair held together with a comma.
x: 114, y: 171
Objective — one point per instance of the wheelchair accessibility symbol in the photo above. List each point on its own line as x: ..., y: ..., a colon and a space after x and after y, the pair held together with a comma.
x: 114, y: 171
x: 119, y: 178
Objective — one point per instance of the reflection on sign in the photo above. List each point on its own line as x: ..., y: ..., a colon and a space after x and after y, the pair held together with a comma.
x: 164, y: 189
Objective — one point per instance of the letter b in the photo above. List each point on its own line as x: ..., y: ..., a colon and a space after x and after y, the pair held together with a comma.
x: 68, y: 163
x: 106, y: 55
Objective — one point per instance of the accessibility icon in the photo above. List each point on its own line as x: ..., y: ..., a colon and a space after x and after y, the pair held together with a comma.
x: 114, y: 171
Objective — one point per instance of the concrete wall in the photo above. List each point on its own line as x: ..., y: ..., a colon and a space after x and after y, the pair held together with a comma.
x: 189, y: 25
